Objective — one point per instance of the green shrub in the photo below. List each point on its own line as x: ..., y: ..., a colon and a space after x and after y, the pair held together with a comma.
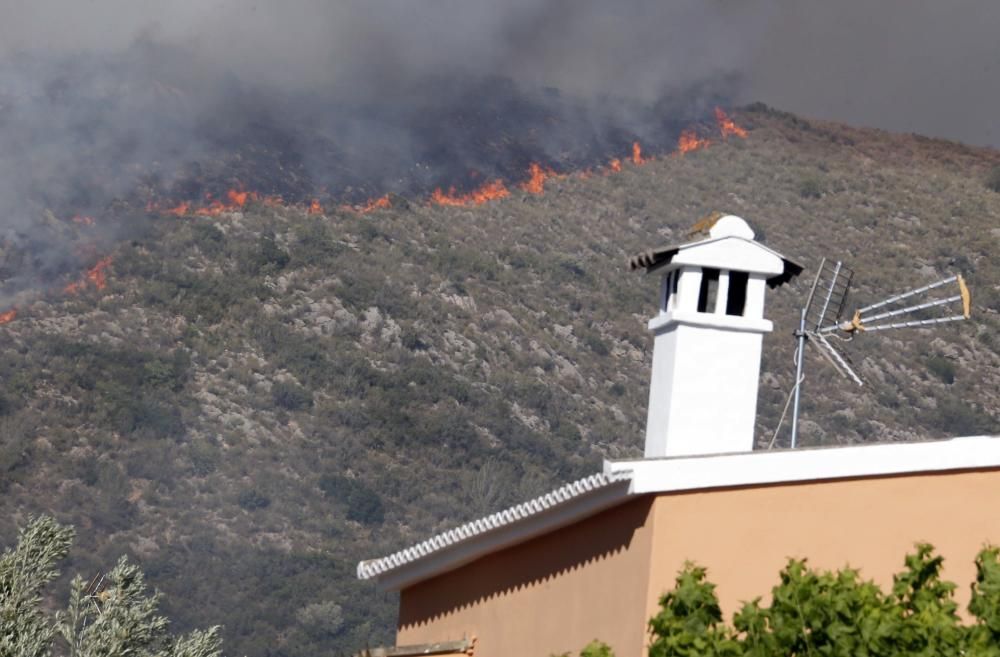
x: 942, y: 368
x: 291, y: 396
x: 595, y: 343
x: 266, y: 257
x: 252, y: 499
x: 208, y: 237
x: 993, y: 179
x: 956, y: 417
x: 594, y: 649
x: 363, y: 504
x: 315, y: 245
x: 835, y: 613
x: 810, y: 187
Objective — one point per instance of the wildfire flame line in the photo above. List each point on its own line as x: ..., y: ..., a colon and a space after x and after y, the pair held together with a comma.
x: 381, y: 203
x: 490, y: 191
x: 690, y: 141
x: 237, y: 198
x: 535, y: 184
x: 727, y: 126
x: 95, y: 275
x: 637, y: 158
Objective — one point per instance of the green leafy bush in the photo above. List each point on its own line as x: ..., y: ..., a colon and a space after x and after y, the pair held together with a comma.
x: 942, y: 368
x: 594, y: 649
x: 290, y: 396
x: 363, y: 504
x: 252, y: 499
x: 835, y: 613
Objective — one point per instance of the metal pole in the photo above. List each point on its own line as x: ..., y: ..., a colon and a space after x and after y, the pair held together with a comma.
x: 801, y: 337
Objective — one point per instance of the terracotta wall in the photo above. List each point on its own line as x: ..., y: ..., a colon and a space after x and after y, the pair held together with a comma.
x: 602, y: 577
x: 547, y: 596
x: 745, y: 536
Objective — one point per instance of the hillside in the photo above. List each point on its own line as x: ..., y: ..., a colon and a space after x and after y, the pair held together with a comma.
x: 258, y: 400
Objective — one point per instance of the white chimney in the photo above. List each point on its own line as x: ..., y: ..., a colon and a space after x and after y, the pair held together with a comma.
x: 708, y: 335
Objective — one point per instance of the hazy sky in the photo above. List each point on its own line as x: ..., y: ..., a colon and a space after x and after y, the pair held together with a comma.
x: 909, y: 65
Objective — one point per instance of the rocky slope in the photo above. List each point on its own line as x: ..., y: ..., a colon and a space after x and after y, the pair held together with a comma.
x: 258, y: 400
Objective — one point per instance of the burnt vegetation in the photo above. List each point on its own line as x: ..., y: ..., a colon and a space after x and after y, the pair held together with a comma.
x: 258, y: 400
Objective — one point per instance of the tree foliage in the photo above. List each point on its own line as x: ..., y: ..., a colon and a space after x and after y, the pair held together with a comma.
x: 832, y: 614
x: 118, y: 618
x: 836, y: 614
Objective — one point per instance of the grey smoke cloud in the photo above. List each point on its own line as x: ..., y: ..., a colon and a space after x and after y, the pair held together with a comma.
x: 907, y: 65
x: 103, y: 100
x: 623, y: 47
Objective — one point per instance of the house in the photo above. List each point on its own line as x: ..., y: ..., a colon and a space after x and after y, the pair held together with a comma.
x: 592, y: 558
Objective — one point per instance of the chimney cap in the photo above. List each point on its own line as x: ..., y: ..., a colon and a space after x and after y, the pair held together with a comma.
x: 725, y: 227
x: 732, y: 226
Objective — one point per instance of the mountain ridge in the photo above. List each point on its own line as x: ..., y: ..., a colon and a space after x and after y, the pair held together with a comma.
x: 255, y: 402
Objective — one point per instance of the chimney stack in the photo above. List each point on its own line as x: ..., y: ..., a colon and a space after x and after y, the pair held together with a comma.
x: 707, y: 339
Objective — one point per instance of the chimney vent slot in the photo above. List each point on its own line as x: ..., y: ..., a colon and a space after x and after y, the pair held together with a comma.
x: 708, y: 290
x: 737, y: 299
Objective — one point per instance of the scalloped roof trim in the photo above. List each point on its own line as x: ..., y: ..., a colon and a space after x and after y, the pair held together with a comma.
x: 376, y: 567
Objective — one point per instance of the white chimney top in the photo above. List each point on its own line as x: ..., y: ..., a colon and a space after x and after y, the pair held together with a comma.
x: 707, y: 339
x: 731, y: 226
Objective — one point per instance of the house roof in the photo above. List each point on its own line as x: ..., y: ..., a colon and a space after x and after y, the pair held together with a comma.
x: 471, y: 540
x: 622, y: 480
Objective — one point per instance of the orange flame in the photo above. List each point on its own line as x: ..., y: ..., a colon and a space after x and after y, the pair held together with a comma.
x: 372, y: 204
x: 637, y: 158
x: 93, y: 275
x: 690, y: 141
x: 615, y: 165
x: 83, y: 220
x: 489, y: 192
x: 239, y: 198
x: 8, y: 316
x: 380, y: 203
x: 235, y: 199
x: 727, y: 126
x: 178, y: 210
x: 315, y: 207
x: 536, y: 184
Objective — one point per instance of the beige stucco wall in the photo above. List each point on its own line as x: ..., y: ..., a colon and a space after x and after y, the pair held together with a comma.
x: 602, y: 577
x: 745, y: 536
x: 550, y: 595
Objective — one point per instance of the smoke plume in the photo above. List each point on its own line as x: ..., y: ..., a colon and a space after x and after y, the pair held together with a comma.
x: 110, y: 104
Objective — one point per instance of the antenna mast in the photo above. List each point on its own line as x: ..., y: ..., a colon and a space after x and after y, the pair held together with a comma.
x: 820, y: 319
x: 829, y: 290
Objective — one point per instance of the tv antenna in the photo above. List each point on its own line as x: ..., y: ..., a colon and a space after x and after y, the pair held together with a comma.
x: 821, y: 320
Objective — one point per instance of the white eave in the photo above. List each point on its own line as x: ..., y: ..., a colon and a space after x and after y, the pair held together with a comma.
x: 455, y: 547
x: 622, y: 480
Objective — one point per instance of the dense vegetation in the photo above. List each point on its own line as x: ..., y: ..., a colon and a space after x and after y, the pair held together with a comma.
x: 258, y: 401
x: 838, y: 614
x: 113, y: 614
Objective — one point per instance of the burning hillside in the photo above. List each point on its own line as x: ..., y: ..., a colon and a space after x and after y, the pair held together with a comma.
x: 145, y: 147
x: 236, y: 199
